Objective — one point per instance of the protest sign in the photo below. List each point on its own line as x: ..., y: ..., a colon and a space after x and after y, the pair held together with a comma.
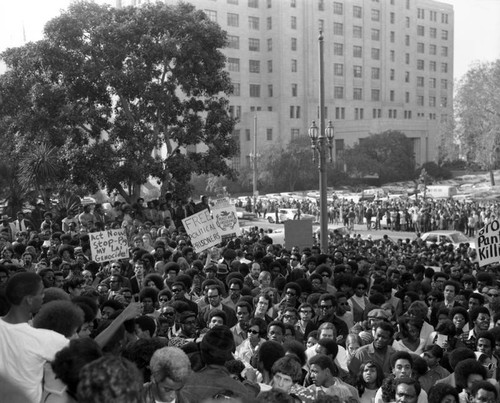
x: 224, y: 215
x: 201, y: 229
x: 488, y: 243
x: 108, y: 245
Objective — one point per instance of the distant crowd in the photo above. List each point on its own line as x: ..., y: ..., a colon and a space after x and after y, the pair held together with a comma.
x: 369, y: 321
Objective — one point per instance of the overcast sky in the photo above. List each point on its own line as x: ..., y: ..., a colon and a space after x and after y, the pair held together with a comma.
x: 477, y: 26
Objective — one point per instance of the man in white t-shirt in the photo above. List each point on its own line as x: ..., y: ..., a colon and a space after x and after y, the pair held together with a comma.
x: 23, y: 349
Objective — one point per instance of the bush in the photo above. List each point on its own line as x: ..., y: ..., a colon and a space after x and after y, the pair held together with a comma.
x: 435, y: 171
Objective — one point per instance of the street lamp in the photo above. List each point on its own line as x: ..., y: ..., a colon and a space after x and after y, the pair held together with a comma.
x: 321, y: 140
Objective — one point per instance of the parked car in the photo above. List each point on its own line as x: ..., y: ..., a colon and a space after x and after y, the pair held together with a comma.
x: 285, y: 214
x: 242, y: 214
x: 454, y: 238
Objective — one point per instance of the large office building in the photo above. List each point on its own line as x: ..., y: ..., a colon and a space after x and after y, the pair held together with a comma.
x: 388, y: 65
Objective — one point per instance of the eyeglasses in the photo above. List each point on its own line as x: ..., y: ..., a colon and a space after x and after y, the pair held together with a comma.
x: 492, y: 295
x: 176, y: 290
x: 306, y: 312
x: 289, y: 316
x: 234, y: 289
x: 253, y: 331
x: 212, y: 296
x: 291, y: 294
x: 325, y: 275
x: 168, y: 313
x: 163, y: 299
x: 115, y: 267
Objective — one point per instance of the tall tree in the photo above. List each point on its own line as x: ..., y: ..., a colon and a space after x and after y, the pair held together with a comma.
x: 123, y: 93
x: 388, y: 154
x: 477, y: 110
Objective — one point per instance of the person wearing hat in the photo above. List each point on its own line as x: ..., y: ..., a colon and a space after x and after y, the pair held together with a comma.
x: 188, y: 332
x: 379, y: 350
x: 214, y: 381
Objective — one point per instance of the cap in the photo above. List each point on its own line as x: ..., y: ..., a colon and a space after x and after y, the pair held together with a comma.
x: 187, y: 314
x: 222, y: 269
x: 379, y: 314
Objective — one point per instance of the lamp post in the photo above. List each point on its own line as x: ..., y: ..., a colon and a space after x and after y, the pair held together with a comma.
x: 321, y: 139
x: 253, y: 157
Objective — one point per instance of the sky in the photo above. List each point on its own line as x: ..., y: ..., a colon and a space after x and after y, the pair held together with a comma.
x: 477, y: 26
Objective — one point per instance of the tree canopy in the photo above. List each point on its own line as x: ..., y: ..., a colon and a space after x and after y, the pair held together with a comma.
x: 121, y: 95
x: 477, y: 113
x: 388, y: 154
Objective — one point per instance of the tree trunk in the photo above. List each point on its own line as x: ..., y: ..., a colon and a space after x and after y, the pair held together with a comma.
x: 492, y: 177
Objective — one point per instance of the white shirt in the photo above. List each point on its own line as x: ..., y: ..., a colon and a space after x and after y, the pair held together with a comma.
x: 23, y: 352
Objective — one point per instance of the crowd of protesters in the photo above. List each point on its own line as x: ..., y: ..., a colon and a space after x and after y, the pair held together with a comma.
x: 249, y: 321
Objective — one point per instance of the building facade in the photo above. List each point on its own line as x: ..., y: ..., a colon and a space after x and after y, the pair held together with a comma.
x: 388, y: 65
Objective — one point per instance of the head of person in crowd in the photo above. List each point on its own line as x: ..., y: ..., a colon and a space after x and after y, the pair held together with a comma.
x: 443, y: 393
x: 402, y: 364
x: 276, y: 331
x: 63, y: 317
x: 459, y: 317
x: 286, y: 371
x: 148, y: 297
x: 407, y: 390
x: 216, y: 317
x: 145, y: 327
x: 214, y: 296
x: 438, y: 281
x: 480, y: 319
x: 109, y: 308
x: 70, y: 360
x: 370, y: 376
x: 468, y: 372
x: 170, y: 368
x: 243, y: 312
x: 483, y: 392
x: 74, y: 286
x: 188, y: 323
x: 47, y: 276
x: 217, y: 346
x: 110, y: 379
x: 327, y: 304
x: 292, y: 294
x: 267, y: 354
x: 24, y: 292
x: 383, y: 336
x: 476, y: 300
x: 262, y: 304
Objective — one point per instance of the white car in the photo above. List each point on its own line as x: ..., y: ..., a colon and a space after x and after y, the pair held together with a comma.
x: 286, y: 214
x: 454, y: 238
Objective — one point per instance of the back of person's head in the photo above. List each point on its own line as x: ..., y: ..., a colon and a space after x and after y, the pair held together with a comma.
x: 275, y: 396
x: 55, y: 294
x: 22, y: 285
x: 63, y: 317
x: 297, y: 348
x: 331, y: 347
x: 140, y: 353
x: 217, y: 346
x: 324, y: 362
x: 269, y: 352
x: 110, y: 379
x: 288, y: 365
x: 435, y: 350
x: 170, y: 363
x: 460, y: 354
x: 438, y: 392
x: 70, y: 360
x: 466, y: 368
x: 146, y: 323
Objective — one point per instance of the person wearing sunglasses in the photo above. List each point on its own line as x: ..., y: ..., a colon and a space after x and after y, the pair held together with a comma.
x: 327, y: 305
x: 248, y: 348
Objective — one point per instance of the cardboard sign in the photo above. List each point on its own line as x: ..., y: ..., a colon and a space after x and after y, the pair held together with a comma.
x: 225, y: 218
x: 109, y: 245
x: 488, y: 243
x: 298, y: 233
x: 201, y: 229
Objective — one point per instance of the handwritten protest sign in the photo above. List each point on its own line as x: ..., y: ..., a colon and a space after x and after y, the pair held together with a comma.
x: 201, y: 229
x: 224, y: 216
x: 488, y: 243
x: 108, y: 245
